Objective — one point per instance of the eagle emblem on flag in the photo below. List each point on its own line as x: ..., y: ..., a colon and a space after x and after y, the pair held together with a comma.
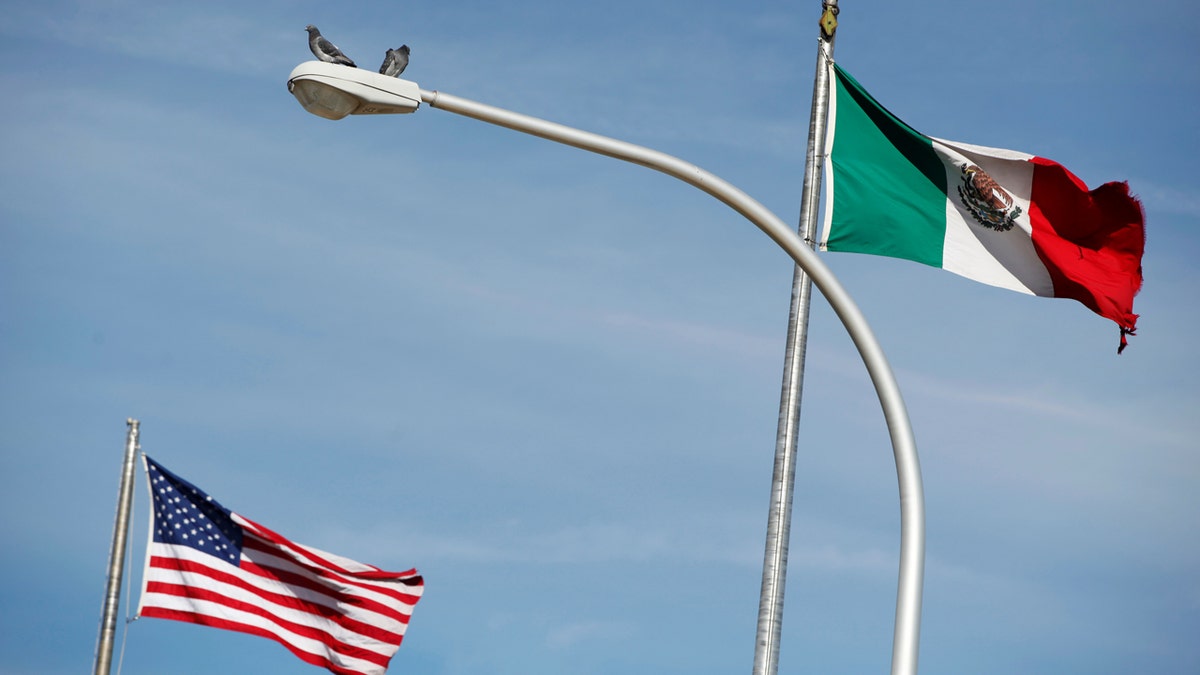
x: 989, y: 203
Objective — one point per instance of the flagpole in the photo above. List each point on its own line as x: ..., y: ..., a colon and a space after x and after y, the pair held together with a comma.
x: 779, y: 518
x: 116, y: 556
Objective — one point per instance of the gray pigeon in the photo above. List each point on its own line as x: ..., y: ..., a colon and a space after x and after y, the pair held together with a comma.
x: 324, y: 49
x: 395, y: 62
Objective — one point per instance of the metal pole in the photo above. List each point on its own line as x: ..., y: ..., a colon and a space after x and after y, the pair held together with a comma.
x: 904, y: 448
x: 116, y: 555
x: 783, y: 480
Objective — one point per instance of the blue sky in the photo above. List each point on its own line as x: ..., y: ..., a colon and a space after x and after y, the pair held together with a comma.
x: 550, y: 380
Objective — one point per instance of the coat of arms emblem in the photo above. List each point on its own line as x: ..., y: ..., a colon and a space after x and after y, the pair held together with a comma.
x: 991, y: 205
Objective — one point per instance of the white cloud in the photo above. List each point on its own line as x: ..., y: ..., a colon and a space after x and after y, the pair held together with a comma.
x: 835, y: 558
x: 723, y: 540
x: 202, y: 36
x: 569, y: 635
x: 1159, y: 198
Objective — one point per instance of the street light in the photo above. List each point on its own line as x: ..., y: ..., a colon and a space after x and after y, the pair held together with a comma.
x: 332, y: 92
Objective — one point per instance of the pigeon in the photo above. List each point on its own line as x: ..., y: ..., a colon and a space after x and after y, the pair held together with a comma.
x: 324, y: 49
x: 395, y: 61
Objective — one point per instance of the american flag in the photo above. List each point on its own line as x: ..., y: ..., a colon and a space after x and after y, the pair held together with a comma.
x: 208, y: 565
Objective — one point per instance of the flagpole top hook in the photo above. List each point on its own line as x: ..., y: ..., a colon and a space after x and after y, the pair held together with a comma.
x: 829, y: 20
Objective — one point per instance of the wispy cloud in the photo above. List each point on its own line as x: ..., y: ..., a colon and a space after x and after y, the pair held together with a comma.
x: 571, y: 634
x: 586, y: 543
x: 691, y: 334
x: 1160, y: 198
x: 732, y: 541
x: 834, y: 558
x: 206, y: 37
x: 1050, y: 405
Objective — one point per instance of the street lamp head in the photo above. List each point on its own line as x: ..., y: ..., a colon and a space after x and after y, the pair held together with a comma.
x: 323, y: 100
x: 333, y: 91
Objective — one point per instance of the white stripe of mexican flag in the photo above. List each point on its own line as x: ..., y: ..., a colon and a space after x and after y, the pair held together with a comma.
x: 1001, y: 217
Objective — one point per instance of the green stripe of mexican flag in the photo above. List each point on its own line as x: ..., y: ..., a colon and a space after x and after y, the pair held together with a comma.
x: 1000, y: 217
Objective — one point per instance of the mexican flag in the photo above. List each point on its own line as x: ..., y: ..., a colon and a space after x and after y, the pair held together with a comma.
x: 1001, y: 217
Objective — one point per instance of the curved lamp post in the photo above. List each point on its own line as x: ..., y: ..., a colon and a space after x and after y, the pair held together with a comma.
x: 333, y: 92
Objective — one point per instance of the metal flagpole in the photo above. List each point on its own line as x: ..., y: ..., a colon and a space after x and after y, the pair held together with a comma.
x: 779, y: 519
x: 116, y: 555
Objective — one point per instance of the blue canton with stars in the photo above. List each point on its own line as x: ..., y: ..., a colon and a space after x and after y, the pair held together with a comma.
x: 185, y: 515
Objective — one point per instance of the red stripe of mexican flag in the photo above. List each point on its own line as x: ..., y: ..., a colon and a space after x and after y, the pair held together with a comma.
x: 1000, y: 217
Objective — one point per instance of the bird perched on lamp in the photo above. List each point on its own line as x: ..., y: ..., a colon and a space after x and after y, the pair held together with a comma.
x: 395, y: 61
x: 324, y: 49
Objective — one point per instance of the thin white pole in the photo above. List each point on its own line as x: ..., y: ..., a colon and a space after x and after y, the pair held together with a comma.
x: 908, y: 469
x: 783, y: 479
x: 116, y: 555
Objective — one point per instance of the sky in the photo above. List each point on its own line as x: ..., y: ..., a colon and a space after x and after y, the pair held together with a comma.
x: 550, y: 380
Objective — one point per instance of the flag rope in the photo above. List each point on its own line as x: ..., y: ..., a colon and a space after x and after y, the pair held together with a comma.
x: 129, y: 586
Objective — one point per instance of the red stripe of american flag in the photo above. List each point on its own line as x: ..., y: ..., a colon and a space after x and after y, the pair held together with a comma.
x: 297, y: 580
x: 383, y: 582
x: 302, y: 630
x: 370, y: 572
x: 330, y: 614
x: 273, y: 564
x: 193, y: 593
x: 206, y: 620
